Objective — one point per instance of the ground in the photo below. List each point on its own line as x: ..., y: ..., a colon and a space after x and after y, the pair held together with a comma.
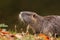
x: 7, y: 35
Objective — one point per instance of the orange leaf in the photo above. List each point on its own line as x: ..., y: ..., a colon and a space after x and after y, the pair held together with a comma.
x: 43, y: 36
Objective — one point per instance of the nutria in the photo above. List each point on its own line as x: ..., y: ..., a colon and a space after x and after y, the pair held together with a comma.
x: 41, y: 24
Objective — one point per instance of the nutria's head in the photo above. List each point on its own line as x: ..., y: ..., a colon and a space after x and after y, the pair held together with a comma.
x: 28, y: 17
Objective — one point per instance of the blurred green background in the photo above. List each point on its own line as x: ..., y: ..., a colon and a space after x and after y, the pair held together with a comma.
x: 9, y: 10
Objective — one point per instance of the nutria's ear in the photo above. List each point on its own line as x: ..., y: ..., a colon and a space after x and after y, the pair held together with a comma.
x: 34, y: 15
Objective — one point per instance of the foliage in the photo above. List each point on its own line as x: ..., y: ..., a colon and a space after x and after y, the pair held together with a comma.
x: 6, y: 35
x: 3, y: 25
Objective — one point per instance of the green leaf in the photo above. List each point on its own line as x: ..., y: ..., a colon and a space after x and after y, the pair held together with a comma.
x: 3, y: 25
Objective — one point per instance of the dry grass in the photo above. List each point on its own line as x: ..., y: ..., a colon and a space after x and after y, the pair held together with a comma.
x: 6, y: 35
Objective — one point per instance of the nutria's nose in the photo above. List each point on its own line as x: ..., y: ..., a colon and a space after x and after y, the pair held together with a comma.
x: 22, y: 12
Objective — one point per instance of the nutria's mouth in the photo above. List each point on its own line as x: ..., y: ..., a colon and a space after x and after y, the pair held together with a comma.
x: 20, y: 17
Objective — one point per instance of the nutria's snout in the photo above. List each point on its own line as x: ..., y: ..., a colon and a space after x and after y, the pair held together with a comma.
x: 20, y: 16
